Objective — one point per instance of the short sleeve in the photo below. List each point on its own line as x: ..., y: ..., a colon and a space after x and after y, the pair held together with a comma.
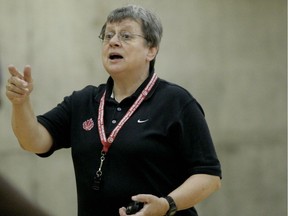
x: 57, y: 122
x: 196, y: 143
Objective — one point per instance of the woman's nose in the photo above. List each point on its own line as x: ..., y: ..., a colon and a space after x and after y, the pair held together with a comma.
x: 115, y: 40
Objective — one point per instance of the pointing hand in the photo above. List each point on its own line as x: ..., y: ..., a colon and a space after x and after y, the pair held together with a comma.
x: 19, y: 86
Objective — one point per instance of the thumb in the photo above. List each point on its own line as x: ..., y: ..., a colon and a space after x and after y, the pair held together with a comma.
x: 146, y: 198
x: 27, y: 74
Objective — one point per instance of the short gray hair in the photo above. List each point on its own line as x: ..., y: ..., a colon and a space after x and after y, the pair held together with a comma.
x: 150, y: 24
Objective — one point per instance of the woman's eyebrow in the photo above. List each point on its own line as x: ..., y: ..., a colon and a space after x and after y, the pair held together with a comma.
x: 121, y: 28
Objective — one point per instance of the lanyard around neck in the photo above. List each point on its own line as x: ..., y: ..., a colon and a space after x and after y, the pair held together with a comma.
x: 106, y: 142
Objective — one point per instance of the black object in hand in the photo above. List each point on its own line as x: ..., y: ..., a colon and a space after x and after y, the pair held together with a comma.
x: 134, y: 207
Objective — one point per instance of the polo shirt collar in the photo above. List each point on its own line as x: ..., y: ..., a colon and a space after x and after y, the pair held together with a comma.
x: 134, y: 96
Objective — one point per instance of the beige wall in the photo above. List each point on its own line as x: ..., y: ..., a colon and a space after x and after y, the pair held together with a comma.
x: 231, y: 55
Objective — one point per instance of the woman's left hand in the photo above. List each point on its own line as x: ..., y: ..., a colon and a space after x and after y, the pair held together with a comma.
x: 153, y: 206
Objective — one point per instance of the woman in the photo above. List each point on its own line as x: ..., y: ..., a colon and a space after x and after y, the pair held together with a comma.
x: 138, y: 136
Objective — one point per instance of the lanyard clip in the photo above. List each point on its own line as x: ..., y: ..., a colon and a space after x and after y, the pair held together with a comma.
x: 102, y: 158
x: 97, y: 178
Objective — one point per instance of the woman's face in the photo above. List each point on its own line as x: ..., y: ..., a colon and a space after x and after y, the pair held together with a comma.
x: 124, y: 49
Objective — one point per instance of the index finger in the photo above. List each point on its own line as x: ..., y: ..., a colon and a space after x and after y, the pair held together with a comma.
x: 14, y: 72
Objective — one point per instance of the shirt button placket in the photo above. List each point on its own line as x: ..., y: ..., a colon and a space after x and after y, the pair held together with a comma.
x: 119, y: 109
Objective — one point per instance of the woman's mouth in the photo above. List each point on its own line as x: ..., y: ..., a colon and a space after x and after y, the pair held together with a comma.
x: 114, y: 56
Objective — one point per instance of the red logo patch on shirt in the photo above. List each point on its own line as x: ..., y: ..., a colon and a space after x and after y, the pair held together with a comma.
x: 88, y: 124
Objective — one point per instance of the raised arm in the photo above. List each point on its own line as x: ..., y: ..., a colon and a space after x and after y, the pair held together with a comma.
x: 31, y: 135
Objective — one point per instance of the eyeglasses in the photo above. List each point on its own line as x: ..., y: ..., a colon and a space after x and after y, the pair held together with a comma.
x: 122, y: 36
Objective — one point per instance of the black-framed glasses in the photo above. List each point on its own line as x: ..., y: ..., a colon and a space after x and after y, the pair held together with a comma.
x: 122, y: 36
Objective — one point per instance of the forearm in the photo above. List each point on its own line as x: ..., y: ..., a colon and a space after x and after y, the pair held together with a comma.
x: 31, y: 135
x: 194, y: 190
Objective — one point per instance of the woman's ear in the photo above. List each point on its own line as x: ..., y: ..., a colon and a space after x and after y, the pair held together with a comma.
x: 152, y: 52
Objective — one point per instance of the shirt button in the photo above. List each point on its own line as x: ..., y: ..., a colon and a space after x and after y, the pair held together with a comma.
x: 114, y: 121
x: 119, y: 109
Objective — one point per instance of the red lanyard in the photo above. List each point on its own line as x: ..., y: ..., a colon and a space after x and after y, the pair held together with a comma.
x: 107, y: 142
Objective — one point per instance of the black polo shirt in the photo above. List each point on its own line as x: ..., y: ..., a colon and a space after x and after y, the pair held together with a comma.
x: 164, y: 142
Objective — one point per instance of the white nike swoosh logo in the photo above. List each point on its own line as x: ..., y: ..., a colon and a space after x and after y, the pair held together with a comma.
x: 142, y: 121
